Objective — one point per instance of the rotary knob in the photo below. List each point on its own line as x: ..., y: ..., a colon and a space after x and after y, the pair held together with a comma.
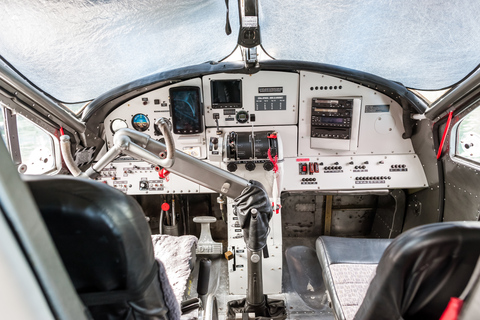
x: 232, y: 167
x: 268, y: 166
x: 250, y: 166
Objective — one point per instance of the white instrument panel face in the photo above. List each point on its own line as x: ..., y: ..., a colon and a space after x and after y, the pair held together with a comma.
x: 380, y: 130
x: 139, y: 177
x: 153, y: 105
x: 237, y: 267
x: 368, y: 172
x: 267, y: 98
x: 323, y: 122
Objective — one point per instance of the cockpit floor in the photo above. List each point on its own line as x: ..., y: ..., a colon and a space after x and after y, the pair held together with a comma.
x: 304, y: 291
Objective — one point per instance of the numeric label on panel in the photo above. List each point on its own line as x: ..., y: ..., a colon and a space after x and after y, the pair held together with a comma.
x: 266, y: 103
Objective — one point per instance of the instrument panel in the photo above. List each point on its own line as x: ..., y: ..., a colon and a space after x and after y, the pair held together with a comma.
x: 328, y: 134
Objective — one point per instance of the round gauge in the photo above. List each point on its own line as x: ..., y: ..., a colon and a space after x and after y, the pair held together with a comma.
x: 118, y: 124
x: 140, y: 122
x: 242, y: 116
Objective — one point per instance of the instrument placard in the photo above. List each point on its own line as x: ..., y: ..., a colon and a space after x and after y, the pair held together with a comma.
x: 267, y: 103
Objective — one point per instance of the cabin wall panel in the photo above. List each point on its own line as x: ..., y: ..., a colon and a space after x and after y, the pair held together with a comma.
x: 422, y: 206
x: 390, y: 215
x: 302, y: 215
x: 462, y: 201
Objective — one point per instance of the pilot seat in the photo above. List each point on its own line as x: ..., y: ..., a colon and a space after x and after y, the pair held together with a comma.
x: 105, y: 244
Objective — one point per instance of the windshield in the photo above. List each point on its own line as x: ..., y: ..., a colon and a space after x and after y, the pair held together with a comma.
x: 429, y: 44
x: 76, y: 50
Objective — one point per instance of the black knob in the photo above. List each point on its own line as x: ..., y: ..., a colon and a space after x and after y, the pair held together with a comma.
x: 232, y: 167
x: 250, y: 166
x: 268, y: 166
x: 336, y: 163
x: 215, y: 140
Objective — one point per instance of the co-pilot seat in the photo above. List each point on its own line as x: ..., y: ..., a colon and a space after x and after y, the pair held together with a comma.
x: 104, y: 241
x: 411, y: 277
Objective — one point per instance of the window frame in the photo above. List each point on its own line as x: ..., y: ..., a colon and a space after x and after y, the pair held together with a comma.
x: 455, y: 138
x: 13, y: 143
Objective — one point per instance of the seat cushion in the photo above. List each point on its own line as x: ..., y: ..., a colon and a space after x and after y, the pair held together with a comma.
x: 178, y: 256
x: 351, y: 282
x: 348, y: 266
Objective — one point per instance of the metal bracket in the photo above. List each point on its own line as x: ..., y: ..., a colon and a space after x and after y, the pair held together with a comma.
x: 251, y: 57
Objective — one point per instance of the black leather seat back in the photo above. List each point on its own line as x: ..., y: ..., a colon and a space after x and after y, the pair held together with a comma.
x: 105, y: 244
x: 421, y: 270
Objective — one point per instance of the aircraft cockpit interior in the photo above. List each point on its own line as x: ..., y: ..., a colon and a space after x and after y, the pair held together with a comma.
x: 305, y: 171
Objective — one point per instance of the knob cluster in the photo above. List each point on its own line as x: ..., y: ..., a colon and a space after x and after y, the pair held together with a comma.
x: 374, y: 178
x: 332, y: 168
x: 250, y: 166
x: 361, y: 167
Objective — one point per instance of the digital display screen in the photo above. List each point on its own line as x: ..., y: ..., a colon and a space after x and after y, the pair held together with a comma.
x: 186, y: 110
x: 331, y: 120
x: 226, y: 93
x: 326, y: 110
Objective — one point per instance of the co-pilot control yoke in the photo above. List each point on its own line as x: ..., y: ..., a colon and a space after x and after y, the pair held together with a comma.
x: 252, y: 204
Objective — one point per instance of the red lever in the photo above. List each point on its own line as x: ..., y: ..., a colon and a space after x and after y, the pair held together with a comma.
x: 274, y: 161
x: 439, y: 154
x: 165, y: 206
x: 163, y: 174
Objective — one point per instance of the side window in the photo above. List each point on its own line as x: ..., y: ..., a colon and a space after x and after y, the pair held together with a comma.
x: 36, y: 147
x: 468, y: 137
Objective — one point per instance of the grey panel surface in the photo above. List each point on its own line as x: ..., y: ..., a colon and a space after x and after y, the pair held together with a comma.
x: 390, y: 215
x: 462, y: 200
x: 355, y: 222
x: 76, y: 50
x: 422, y: 205
x: 302, y: 215
x: 423, y: 44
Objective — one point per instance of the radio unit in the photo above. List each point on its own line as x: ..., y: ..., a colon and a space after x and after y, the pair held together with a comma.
x: 331, y: 118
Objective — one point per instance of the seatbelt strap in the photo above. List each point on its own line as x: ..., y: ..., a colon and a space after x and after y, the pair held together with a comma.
x: 455, y: 304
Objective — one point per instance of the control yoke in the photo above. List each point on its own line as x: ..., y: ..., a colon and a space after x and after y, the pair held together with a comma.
x: 252, y: 203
